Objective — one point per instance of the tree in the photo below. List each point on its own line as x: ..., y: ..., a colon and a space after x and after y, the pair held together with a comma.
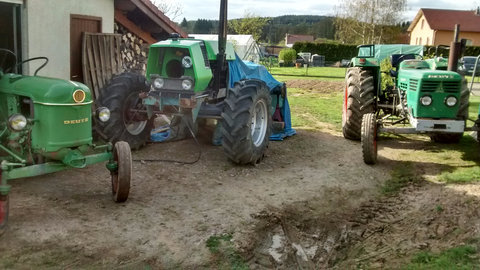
x: 250, y: 24
x: 203, y: 26
x: 171, y: 8
x: 367, y: 21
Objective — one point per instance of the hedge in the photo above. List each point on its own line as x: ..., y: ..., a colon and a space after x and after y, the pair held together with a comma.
x: 332, y: 52
x: 469, y: 50
x: 337, y: 52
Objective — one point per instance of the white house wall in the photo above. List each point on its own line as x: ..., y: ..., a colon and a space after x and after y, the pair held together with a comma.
x: 48, y: 28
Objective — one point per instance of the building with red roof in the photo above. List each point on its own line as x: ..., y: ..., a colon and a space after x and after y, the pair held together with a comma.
x: 436, y: 26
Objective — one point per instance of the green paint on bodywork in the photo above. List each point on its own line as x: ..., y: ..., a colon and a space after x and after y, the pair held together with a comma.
x: 58, y: 130
x: 162, y: 53
x: 416, y: 79
x: 51, y: 167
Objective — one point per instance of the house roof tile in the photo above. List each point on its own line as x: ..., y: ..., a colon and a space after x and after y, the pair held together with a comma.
x: 444, y: 19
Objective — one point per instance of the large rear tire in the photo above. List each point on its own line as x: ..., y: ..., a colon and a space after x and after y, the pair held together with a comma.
x: 120, y: 96
x: 246, y: 122
x: 369, y: 138
x: 122, y: 176
x: 359, y: 99
x: 4, y: 210
x: 461, y: 115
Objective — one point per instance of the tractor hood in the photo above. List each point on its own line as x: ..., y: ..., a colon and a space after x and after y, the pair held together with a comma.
x: 43, y: 89
x: 430, y: 75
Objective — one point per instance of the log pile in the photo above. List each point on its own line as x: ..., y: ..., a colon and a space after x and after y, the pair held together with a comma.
x: 134, y: 51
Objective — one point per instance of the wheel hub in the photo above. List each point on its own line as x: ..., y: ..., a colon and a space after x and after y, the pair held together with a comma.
x: 259, y: 122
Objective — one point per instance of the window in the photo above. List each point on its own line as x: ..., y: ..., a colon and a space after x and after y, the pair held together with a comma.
x: 469, y: 42
x: 423, y: 21
x: 416, y: 41
x: 420, y: 41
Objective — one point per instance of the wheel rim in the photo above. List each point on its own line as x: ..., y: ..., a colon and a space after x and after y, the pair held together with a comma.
x: 259, y: 122
x: 133, y: 127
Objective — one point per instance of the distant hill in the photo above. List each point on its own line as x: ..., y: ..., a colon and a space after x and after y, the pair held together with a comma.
x: 274, y: 32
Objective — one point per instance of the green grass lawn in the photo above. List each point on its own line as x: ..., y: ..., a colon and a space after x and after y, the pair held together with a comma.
x: 312, y: 110
x: 330, y: 73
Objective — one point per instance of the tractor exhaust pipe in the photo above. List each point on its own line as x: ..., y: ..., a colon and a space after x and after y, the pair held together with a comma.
x: 222, y: 44
x: 456, y: 50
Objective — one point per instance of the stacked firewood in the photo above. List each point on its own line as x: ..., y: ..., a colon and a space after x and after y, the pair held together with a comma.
x: 133, y: 49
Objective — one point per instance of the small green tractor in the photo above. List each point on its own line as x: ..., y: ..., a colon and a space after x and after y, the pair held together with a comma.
x: 192, y: 79
x: 46, y: 127
x: 425, y: 98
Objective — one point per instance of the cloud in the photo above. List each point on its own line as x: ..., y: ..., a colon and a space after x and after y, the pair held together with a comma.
x: 209, y: 9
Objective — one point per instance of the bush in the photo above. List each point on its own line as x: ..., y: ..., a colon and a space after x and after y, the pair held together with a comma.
x: 288, y: 56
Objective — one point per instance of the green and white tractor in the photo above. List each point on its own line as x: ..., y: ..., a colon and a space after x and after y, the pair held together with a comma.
x: 192, y: 79
x: 426, y: 97
x: 46, y: 127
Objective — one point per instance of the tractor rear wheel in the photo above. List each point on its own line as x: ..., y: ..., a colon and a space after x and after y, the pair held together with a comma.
x: 122, y: 176
x: 359, y: 99
x: 247, y: 122
x: 461, y: 115
x: 126, y: 122
x: 369, y: 138
x: 4, y: 210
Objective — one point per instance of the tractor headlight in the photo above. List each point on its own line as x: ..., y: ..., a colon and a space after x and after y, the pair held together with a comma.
x: 187, y: 62
x: 17, y: 122
x: 158, y: 83
x: 187, y: 84
x: 426, y: 100
x: 451, y: 101
x: 103, y: 114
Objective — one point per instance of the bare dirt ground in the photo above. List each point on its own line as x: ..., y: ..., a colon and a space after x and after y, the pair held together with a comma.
x: 310, y: 204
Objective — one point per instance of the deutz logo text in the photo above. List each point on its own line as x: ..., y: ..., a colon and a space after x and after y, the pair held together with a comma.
x: 72, y: 122
x: 440, y: 76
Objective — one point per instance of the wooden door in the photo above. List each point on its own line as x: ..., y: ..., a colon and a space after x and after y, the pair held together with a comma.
x: 78, y: 25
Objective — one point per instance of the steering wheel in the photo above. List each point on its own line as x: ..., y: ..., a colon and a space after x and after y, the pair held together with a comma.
x: 4, y: 55
x: 32, y: 59
x: 400, y: 59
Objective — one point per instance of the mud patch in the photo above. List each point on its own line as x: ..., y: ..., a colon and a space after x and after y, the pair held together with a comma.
x: 317, y: 86
x: 378, y: 234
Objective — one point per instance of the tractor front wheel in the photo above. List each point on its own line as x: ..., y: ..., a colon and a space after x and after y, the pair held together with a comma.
x: 4, y: 210
x: 128, y: 121
x: 369, y: 138
x: 247, y: 122
x: 122, y: 175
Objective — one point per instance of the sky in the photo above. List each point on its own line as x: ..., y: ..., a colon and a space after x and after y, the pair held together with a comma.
x: 209, y: 9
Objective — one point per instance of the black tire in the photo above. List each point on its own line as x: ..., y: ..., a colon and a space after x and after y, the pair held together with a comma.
x: 121, y: 95
x: 461, y: 115
x: 247, y: 107
x: 122, y: 176
x: 4, y: 210
x: 369, y: 138
x: 359, y: 99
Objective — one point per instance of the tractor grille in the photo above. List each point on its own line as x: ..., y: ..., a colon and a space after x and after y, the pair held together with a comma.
x: 204, y: 52
x: 403, y: 86
x: 446, y: 86
x: 413, y: 84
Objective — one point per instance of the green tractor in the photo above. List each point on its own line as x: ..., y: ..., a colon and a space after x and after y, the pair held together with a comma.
x: 426, y: 98
x: 192, y: 79
x: 46, y: 127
